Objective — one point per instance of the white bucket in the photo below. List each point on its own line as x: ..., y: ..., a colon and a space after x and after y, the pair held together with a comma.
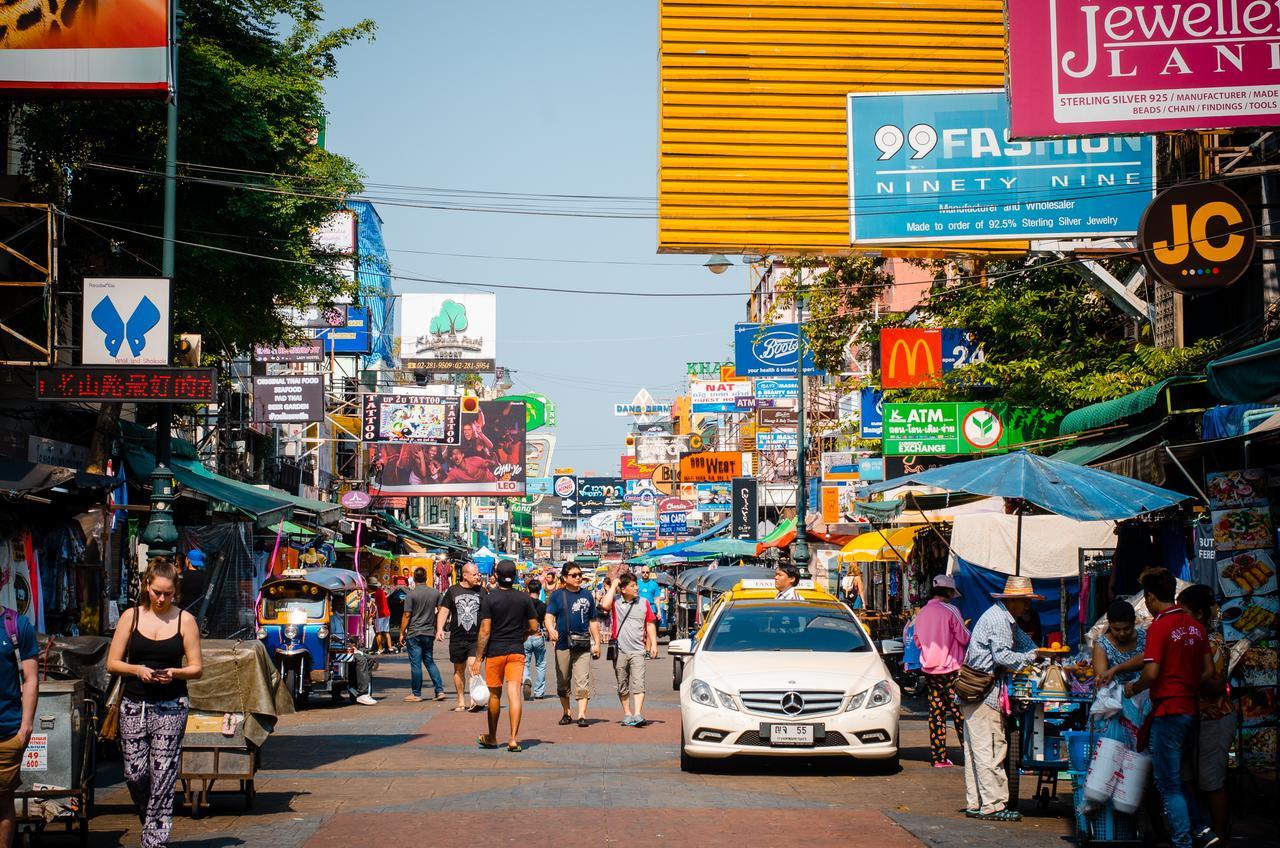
x: 1133, y: 782
x: 1106, y: 770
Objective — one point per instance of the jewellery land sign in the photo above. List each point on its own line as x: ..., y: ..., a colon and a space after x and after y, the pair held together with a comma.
x: 125, y: 320
x: 769, y: 351
x: 407, y: 418
x: 293, y: 399
x: 939, y: 167
x: 950, y: 429
x: 912, y: 357
x: 1197, y: 237
x: 1142, y: 66
x: 449, y: 332
x: 718, y: 397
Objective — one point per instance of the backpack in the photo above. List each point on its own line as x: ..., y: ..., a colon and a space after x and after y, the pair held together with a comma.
x: 11, y: 630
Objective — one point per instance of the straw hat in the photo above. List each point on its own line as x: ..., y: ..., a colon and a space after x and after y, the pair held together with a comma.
x: 1016, y: 588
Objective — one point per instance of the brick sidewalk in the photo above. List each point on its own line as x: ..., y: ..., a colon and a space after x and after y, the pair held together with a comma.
x: 339, y: 775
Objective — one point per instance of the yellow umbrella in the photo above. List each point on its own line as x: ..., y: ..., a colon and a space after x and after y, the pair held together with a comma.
x: 881, y: 545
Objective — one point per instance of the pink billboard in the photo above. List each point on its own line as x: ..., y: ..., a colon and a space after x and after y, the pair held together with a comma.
x: 1136, y: 66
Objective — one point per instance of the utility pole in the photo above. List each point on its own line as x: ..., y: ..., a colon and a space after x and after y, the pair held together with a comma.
x: 161, y: 535
x: 800, y: 547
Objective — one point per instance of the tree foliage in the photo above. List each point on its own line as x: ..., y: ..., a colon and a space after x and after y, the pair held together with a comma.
x: 251, y: 77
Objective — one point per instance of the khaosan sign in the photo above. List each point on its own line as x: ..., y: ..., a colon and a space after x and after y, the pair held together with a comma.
x: 939, y: 167
x: 449, y: 332
x: 911, y: 357
x: 914, y: 429
x: 1142, y: 66
x: 769, y: 351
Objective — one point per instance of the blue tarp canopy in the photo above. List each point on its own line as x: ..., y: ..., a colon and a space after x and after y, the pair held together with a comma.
x: 977, y: 583
x: 1075, y: 491
x: 680, y: 548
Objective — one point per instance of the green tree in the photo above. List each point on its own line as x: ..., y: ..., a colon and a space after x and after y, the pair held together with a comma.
x: 252, y: 181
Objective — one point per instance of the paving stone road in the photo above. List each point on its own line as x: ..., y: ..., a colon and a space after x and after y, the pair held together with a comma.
x: 337, y: 776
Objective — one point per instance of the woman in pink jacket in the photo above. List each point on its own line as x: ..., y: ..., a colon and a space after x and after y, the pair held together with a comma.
x: 942, y: 638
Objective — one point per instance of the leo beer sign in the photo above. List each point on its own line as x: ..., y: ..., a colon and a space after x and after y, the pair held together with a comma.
x: 1197, y: 237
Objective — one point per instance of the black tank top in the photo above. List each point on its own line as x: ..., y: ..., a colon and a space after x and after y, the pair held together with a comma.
x: 154, y: 654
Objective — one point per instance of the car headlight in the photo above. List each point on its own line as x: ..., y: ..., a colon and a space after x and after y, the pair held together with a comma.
x: 323, y: 631
x: 291, y: 632
x: 877, y: 696
x: 262, y: 633
x: 703, y: 694
x: 727, y: 700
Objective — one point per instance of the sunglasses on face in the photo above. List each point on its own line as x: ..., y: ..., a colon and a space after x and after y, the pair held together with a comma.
x: 574, y: 574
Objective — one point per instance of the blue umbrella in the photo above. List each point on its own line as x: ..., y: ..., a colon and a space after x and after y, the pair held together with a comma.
x: 1075, y: 491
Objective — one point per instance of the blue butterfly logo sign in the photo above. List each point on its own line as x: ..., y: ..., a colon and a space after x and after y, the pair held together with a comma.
x: 126, y: 321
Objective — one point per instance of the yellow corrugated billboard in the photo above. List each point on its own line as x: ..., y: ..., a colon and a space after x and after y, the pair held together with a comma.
x: 753, y: 154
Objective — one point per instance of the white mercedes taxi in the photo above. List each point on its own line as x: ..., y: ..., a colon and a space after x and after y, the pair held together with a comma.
x: 783, y: 678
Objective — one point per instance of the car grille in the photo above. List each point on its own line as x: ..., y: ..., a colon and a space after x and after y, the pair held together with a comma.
x: 771, y: 702
x: 833, y: 739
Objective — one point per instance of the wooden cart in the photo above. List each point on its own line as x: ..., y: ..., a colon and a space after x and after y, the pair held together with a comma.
x: 209, y: 756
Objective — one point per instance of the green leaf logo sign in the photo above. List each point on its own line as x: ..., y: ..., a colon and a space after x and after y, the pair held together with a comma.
x: 451, y: 320
x: 982, y: 429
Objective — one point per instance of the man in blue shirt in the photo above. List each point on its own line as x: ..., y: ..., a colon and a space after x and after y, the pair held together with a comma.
x: 572, y: 625
x: 18, y: 694
x: 651, y: 591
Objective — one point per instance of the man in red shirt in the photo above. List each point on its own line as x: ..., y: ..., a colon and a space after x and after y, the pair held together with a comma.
x: 381, y: 618
x: 1177, y: 664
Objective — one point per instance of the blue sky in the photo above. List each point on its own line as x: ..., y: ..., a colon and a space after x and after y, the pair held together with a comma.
x: 556, y: 97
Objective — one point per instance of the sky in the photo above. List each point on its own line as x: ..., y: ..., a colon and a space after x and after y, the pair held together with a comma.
x: 558, y: 97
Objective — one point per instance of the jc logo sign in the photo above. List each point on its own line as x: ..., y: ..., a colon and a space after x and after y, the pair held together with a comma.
x: 1197, y: 238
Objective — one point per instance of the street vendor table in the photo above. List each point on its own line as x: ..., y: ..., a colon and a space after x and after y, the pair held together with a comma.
x: 1034, y: 734
x: 234, y: 707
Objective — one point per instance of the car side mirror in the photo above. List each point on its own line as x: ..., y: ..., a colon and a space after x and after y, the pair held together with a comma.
x: 680, y: 647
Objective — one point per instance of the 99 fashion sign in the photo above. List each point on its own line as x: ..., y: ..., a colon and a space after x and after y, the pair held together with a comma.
x: 1197, y: 237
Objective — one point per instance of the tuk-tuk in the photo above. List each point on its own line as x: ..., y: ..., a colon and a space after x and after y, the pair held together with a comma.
x: 304, y: 618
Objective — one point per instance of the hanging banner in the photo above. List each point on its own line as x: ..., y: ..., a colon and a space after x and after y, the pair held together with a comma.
x: 488, y: 460
x: 416, y: 419
x: 746, y: 508
x: 937, y: 167
x: 1136, y: 66
x: 449, y: 332
x: 771, y: 350
x: 125, y: 320
x: 294, y: 399
x: 710, y: 466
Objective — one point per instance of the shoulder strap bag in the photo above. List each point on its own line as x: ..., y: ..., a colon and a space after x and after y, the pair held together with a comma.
x: 611, y: 651
x: 109, y: 730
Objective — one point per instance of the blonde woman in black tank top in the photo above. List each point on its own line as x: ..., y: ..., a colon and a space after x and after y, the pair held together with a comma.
x: 156, y: 649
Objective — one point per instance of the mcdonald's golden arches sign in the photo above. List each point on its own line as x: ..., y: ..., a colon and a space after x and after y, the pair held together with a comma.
x: 909, y: 357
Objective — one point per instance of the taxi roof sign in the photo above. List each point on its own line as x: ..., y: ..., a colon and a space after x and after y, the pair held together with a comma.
x: 765, y: 583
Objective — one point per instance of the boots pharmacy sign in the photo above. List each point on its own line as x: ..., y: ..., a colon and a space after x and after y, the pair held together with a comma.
x: 1142, y: 66
x: 940, y: 167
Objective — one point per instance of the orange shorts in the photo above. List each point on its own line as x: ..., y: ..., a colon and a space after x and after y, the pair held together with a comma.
x: 506, y: 668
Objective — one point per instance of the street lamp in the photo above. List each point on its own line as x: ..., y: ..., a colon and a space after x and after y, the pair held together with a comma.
x: 800, y: 547
x: 718, y: 264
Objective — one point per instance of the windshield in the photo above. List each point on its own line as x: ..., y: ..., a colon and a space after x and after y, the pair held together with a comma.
x: 786, y: 627
x: 293, y: 610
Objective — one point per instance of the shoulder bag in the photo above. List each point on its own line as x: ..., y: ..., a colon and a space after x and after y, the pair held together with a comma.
x: 611, y: 651
x: 577, y: 641
x: 109, y: 730
x: 973, y: 685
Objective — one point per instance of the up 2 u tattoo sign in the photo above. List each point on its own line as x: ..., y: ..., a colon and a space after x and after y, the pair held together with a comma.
x: 1141, y: 66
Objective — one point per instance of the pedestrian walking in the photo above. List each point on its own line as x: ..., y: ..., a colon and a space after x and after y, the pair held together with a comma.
x: 535, y: 647
x: 997, y: 646
x: 381, y: 618
x: 633, y: 639
x: 156, y: 649
x: 19, y: 692
x: 508, y: 618
x: 417, y: 635
x: 651, y: 591
x: 460, y: 608
x: 942, y: 638
x: 1177, y: 664
x: 785, y: 579
x: 571, y: 624
x: 1207, y: 769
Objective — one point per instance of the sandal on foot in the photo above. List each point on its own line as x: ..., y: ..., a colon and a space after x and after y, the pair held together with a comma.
x: 565, y: 719
x: 514, y: 749
x: 488, y: 746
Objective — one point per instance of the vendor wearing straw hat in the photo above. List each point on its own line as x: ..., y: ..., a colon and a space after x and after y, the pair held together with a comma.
x: 996, y: 647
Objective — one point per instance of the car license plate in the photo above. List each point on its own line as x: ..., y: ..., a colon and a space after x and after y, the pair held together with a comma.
x: 792, y: 735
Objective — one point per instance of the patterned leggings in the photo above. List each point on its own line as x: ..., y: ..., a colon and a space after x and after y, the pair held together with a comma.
x: 942, y: 704
x: 151, y: 741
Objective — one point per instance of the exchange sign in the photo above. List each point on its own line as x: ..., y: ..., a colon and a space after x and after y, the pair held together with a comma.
x: 938, y: 167
x: 409, y: 418
x: 915, y: 429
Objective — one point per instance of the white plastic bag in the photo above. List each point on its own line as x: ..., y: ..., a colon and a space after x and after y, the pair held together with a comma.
x: 1109, y: 700
x: 1133, y: 781
x: 479, y: 690
x: 1105, y: 770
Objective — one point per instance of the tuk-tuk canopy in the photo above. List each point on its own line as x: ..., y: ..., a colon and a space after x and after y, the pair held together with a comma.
x: 329, y: 579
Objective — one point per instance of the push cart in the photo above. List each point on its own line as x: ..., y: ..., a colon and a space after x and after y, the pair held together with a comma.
x: 58, y: 765
x: 1034, y: 735
x: 210, y: 755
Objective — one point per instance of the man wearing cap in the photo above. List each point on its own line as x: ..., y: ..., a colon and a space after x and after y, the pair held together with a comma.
x: 941, y: 636
x: 507, y: 618
x: 996, y: 647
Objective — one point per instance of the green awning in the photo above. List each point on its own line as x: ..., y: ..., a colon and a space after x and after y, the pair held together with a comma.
x: 781, y: 530
x: 266, y: 508
x: 399, y: 528
x: 1250, y: 376
x: 722, y: 547
x: 878, y: 511
x: 1098, y: 450
x: 1110, y: 411
x: 378, y: 552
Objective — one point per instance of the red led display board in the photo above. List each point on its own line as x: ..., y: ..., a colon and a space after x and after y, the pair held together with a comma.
x: 140, y: 384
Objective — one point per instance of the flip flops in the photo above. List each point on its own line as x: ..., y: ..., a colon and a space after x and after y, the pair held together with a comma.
x: 514, y: 749
x: 488, y: 746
